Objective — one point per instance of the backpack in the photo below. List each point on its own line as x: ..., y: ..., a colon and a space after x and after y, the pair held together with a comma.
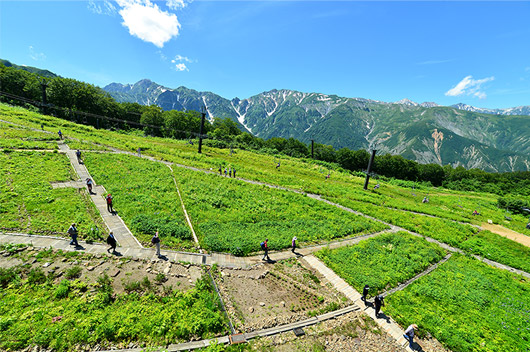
x: 262, y: 244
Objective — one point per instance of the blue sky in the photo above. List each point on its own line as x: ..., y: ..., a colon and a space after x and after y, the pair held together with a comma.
x: 473, y: 52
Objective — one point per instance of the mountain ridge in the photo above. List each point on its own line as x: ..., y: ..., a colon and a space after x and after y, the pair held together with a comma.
x: 426, y: 132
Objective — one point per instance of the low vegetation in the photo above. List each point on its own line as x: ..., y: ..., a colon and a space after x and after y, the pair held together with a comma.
x: 468, y: 306
x: 382, y: 262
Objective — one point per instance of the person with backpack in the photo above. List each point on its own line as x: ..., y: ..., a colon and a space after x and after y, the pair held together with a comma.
x: 379, y: 301
x: 409, y: 334
x: 72, y: 231
x: 365, y: 292
x: 234, y: 173
x: 60, y: 134
x: 111, y: 241
x: 109, y: 203
x: 293, y: 244
x: 265, y: 248
x: 156, y: 241
x: 78, y: 154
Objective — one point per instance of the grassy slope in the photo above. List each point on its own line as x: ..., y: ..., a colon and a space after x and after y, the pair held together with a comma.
x: 469, y: 306
x: 382, y: 262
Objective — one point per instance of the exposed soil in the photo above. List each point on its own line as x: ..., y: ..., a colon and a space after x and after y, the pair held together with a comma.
x: 351, y: 332
x: 122, y: 271
x: 272, y: 295
x: 503, y: 231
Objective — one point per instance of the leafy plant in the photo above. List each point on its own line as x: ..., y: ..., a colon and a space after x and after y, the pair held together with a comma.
x: 73, y: 272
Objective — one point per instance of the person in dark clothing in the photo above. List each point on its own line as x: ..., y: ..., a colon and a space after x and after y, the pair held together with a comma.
x: 293, y: 244
x: 230, y: 172
x: 265, y: 248
x: 72, y: 231
x: 379, y: 302
x: 89, y: 185
x: 365, y: 292
x: 234, y: 171
x: 60, y: 134
x: 226, y: 171
x: 528, y: 225
x: 78, y: 154
x: 278, y: 165
x: 109, y: 203
x: 221, y: 170
x: 156, y: 241
x: 111, y: 241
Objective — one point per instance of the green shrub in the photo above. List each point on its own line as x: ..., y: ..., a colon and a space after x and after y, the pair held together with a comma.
x: 132, y: 286
x: 73, y: 272
x: 36, y: 276
x: 515, y: 205
x: 8, y: 275
x: 62, y: 290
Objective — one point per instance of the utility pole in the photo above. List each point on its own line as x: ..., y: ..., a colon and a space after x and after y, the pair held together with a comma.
x: 312, y: 149
x: 44, y: 85
x: 203, y: 113
x: 370, y: 163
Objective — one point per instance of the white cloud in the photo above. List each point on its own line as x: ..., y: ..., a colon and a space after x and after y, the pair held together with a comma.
x: 148, y: 22
x: 181, y: 58
x: 177, y: 4
x: 179, y: 62
x: 181, y: 67
x: 35, y: 55
x: 107, y: 8
x: 469, y: 86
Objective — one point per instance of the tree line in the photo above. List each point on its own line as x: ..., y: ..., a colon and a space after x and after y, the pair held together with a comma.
x: 66, y: 98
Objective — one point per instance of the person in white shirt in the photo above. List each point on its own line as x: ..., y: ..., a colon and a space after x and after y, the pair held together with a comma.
x: 409, y: 334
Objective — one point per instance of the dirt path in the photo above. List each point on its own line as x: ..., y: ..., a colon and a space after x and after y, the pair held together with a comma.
x: 503, y: 231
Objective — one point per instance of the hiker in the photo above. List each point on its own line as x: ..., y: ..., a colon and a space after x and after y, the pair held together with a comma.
x: 425, y: 200
x: 409, y: 334
x: 139, y: 150
x: 377, y: 186
x: 156, y: 241
x: 60, y: 134
x: 365, y: 292
x: 42, y: 126
x: 220, y: 170
x: 234, y: 173
x: 278, y: 165
x: 230, y: 172
x: 528, y: 226
x: 379, y: 301
x: 78, y: 154
x: 328, y: 176
x: 293, y: 244
x: 72, y: 231
x: 89, y: 185
x: 111, y: 241
x: 475, y: 212
x: 265, y: 248
x: 109, y: 203
x: 226, y: 171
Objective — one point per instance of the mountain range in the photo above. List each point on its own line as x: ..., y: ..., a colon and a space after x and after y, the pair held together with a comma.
x: 490, y: 139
